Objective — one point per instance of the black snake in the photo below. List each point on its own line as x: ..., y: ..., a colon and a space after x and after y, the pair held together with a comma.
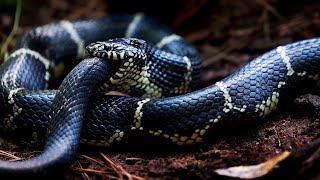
x: 162, y: 65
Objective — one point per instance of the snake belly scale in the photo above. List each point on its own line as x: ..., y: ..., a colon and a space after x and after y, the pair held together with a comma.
x: 163, y: 66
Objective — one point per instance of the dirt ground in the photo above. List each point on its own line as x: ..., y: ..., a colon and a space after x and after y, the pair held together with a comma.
x: 228, y: 34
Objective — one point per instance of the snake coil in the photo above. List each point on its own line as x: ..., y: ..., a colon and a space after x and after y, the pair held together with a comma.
x: 160, y: 71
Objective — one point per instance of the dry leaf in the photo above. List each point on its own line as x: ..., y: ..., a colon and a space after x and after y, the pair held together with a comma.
x: 253, y: 171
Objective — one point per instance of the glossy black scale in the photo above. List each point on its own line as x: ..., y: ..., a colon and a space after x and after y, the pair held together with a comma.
x: 244, y: 97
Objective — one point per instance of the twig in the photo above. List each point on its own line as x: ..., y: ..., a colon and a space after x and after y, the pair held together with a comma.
x: 4, y: 49
x: 119, y: 169
x: 278, y: 136
x: 83, y: 173
x: 192, y: 7
x: 100, y: 172
x: 112, y: 166
x: 7, y: 154
x: 94, y: 160
x: 269, y: 8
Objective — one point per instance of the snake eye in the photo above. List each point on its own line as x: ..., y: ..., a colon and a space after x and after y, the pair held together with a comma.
x: 136, y: 42
x: 106, y: 48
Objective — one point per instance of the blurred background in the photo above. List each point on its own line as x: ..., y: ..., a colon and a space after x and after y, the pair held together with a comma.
x: 228, y: 34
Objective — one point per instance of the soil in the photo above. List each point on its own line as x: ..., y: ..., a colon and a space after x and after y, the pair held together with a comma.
x: 228, y: 34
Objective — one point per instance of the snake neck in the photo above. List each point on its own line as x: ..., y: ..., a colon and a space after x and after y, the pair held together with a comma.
x: 161, y: 74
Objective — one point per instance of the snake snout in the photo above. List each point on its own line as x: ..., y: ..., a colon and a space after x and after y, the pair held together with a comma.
x: 98, y: 49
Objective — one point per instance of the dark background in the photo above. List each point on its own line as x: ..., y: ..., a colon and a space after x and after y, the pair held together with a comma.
x: 228, y: 34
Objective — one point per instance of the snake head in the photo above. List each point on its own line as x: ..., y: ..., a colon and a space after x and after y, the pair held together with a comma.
x: 118, y: 49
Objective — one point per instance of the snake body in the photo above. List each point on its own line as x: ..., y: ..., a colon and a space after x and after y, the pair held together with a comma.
x: 163, y: 65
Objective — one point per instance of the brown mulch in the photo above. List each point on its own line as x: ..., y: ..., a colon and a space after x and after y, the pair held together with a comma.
x: 228, y: 34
